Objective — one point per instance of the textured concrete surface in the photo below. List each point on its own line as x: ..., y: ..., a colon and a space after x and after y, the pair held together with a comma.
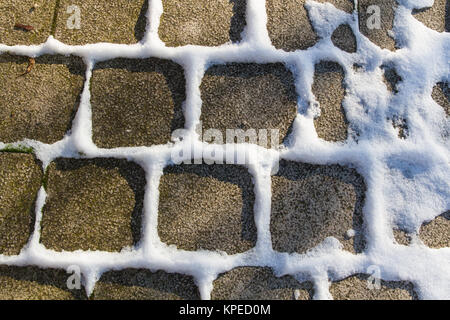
x: 35, y: 13
x: 134, y: 284
x: 356, y: 288
x: 19, y: 183
x: 30, y: 283
x: 29, y: 109
x: 136, y: 102
x: 311, y: 203
x: 248, y: 96
x: 250, y: 283
x: 441, y: 94
x: 328, y: 88
x: 344, y: 38
x: 92, y: 205
x: 118, y: 21
x: 436, y: 233
x: 288, y: 25
x: 387, y: 11
x: 201, y: 22
x: 437, y: 17
x: 207, y: 207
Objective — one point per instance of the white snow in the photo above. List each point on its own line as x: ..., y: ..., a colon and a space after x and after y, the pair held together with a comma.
x: 407, y: 179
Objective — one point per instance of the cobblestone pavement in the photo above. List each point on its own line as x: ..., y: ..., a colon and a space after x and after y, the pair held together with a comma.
x: 97, y: 204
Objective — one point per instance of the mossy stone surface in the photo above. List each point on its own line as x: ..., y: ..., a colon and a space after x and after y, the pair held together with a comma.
x: 253, y: 283
x: 92, y: 205
x: 136, y: 102
x: 39, y: 105
x: 313, y: 202
x: 20, y: 180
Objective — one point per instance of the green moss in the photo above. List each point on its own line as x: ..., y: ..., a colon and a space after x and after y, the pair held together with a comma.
x: 17, y: 149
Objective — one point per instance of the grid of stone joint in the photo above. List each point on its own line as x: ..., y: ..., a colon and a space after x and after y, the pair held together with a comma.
x: 130, y: 263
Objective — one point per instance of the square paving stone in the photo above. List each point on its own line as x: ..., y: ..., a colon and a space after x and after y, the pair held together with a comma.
x: 119, y: 21
x: 357, y: 288
x: 436, y: 233
x: 39, y: 105
x: 380, y: 35
x: 137, y: 284
x: 252, y: 283
x: 289, y: 26
x: 35, y: 13
x: 313, y: 202
x: 92, y: 205
x: 32, y: 283
x: 207, y: 207
x: 328, y: 88
x: 136, y: 102
x: 20, y: 180
x: 248, y: 96
x: 202, y: 22
x: 437, y: 17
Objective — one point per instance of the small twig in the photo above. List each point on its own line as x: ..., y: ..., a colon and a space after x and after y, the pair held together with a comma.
x: 23, y: 27
x: 31, y: 63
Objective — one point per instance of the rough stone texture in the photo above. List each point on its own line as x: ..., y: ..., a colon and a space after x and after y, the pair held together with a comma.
x: 328, y: 88
x: 251, y: 283
x: 387, y: 11
x: 344, y: 39
x: 437, y: 17
x: 356, y: 288
x: 20, y: 179
x: 35, y: 13
x: 31, y: 283
x: 92, y: 205
x: 311, y: 203
x: 441, y: 94
x: 200, y: 22
x: 401, y: 237
x: 135, y: 284
x: 136, y: 102
x: 288, y: 25
x: 119, y: 21
x: 207, y: 207
x: 436, y: 233
x: 248, y: 96
x: 29, y: 108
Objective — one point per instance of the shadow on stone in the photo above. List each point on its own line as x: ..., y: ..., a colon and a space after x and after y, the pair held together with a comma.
x: 141, y: 24
x: 136, y: 102
x: 238, y: 21
x: 24, y: 283
x: 141, y: 284
x: 344, y: 39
